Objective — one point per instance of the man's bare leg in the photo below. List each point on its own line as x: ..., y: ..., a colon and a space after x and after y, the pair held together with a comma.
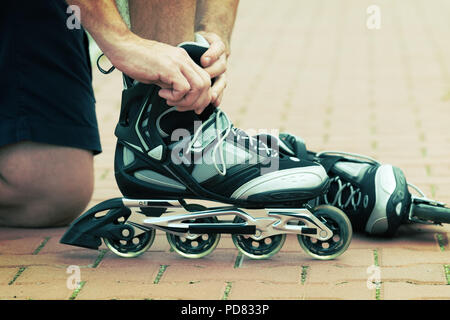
x: 43, y: 185
x: 167, y: 21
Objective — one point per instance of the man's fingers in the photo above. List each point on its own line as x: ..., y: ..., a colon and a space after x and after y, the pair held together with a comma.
x: 218, y: 101
x: 217, y: 68
x: 218, y: 87
x: 174, y: 87
x: 171, y: 95
x: 197, y: 87
x: 216, y: 49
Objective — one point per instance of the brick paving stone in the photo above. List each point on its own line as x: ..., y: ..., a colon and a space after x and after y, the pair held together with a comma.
x: 280, y: 259
x: 78, y: 257
x: 352, y: 257
x: 417, y: 237
x: 409, y: 291
x: 256, y: 290
x: 133, y: 274
x: 20, y: 246
x: 332, y: 274
x: 205, y: 290
x: 287, y: 274
x: 404, y: 257
x: 417, y: 274
x: 21, y: 233
x: 7, y: 274
x: 48, y: 291
x: 43, y: 275
x: 344, y: 290
x: 219, y: 257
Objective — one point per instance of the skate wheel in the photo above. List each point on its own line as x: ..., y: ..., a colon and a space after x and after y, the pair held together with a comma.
x: 131, y: 245
x: 258, y: 249
x: 195, y: 246
x: 339, y: 224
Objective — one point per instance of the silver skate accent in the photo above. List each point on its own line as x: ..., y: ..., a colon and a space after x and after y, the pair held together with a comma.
x: 284, y: 216
x: 139, y: 120
x: 175, y: 225
x: 152, y: 203
x: 278, y: 221
x: 156, y: 153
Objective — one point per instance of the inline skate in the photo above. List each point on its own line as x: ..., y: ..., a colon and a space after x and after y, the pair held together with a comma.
x: 166, y: 159
x: 376, y: 197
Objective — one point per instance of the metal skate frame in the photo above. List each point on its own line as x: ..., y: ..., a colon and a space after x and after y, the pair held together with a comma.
x: 276, y: 222
x: 421, y: 199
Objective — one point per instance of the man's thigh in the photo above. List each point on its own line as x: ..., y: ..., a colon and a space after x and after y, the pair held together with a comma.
x: 46, y: 183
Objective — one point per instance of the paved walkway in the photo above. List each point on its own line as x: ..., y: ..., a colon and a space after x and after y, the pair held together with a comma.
x: 312, y: 68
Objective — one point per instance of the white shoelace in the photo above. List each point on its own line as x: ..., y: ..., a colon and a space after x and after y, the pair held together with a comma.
x: 240, y: 134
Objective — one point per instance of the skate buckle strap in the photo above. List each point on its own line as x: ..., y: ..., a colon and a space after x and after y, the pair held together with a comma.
x: 422, y: 199
x: 111, y: 69
x: 347, y: 155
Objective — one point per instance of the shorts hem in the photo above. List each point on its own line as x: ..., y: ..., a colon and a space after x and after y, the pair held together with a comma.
x: 38, y: 130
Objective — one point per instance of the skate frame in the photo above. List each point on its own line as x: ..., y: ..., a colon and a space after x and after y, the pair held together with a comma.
x: 422, y: 199
x: 276, y: 222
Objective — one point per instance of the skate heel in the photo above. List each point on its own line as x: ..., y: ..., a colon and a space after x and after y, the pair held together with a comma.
x: 81, y: 240
x: 88, y: 229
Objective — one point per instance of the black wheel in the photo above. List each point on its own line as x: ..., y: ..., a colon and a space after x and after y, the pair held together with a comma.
x: 129, y: 243
x: 195, y: 246
x: 257, y: 249
x: 339, y: 224
x: 434, y: 213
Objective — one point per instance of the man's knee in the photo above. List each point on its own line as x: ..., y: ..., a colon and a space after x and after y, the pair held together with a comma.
x: 46, y: 212
x: 44, y: 186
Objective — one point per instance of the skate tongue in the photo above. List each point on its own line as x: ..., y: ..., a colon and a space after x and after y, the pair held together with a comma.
x: 172, y: 120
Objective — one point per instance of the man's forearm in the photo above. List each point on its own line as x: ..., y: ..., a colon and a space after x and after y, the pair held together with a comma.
x: 217, y: 16
x: 103, y: 21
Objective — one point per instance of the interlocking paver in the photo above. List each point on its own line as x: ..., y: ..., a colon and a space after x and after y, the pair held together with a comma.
x: 344, y: 290
x: 257, y: 290
x: 7, y: 275
x: 206, y: 290
x: 283, y: 274
x: 48, y: 291
x: 333, y: 274
x: 405, y: 257
x: 409, y: 291
x: 417, y: 274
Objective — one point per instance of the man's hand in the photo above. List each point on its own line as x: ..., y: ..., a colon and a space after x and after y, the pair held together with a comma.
x: 184, y: 84
x: 214, y: 60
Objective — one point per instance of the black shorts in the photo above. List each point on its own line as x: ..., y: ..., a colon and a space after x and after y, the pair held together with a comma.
x: 46, y: 90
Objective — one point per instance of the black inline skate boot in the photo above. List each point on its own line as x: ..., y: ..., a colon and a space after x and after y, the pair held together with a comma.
x: 164, y: 157
x: 375, y: 196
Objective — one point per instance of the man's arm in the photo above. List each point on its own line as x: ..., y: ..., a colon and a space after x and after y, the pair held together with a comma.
x: 217, y: 16
x: 145, y: 60
x: 215, y: 21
